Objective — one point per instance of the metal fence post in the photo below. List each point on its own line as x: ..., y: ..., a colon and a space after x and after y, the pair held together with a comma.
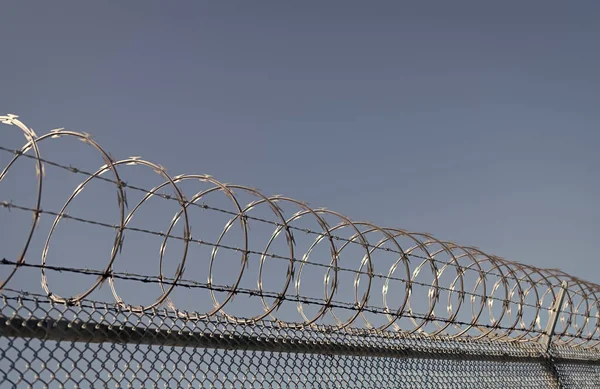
x: 553, y: 319
x: 546, y: 339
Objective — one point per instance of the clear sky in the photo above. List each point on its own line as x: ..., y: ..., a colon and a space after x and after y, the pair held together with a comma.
x: 474, y: 121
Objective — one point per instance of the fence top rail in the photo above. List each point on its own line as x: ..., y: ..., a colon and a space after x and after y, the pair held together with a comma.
x: 37, y: 318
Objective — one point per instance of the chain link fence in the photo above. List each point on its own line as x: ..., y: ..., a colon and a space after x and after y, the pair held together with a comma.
x: 271, y: 294
x: 91, y: 345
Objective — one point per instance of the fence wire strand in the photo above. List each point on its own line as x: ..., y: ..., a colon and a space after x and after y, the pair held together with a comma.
x: 442, y: 330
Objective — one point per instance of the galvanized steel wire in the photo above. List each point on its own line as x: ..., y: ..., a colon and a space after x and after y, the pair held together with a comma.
x: 96, y: 344
x: 495, y: 294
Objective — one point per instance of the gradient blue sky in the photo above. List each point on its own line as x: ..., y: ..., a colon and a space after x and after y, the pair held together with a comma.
x: 475, y: 121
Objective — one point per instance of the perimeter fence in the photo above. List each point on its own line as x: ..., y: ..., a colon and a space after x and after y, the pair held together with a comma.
x: 256, y: 291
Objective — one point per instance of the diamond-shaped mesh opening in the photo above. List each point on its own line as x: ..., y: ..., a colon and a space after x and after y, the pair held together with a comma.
x: 47, y: 345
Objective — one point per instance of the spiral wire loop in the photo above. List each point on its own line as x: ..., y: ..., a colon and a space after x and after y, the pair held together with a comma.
x: 494, y: 294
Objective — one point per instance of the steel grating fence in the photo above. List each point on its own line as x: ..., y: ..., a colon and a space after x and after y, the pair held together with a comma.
x: 271, y: 294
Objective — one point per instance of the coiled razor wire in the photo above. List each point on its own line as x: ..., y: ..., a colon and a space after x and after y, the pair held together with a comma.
x: 496, y: 279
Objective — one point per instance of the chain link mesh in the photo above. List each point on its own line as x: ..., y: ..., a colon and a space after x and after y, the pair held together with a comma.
x: 49, y: 345
x: 393, y: 308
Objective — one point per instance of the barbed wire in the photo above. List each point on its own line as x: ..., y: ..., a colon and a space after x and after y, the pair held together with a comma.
x: 204, y: 206
x: 190, y: 284
x: 12, y: 205
x: 220, y: 288
x: 492, y: 278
